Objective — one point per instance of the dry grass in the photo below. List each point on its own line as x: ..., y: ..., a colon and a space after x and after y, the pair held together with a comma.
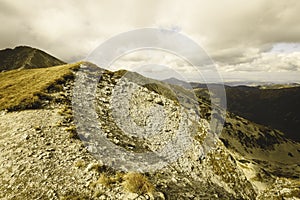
x: 132, y: 182
x: 23, y: 89
x: 72, y: 132
x: 80, y: 164
x: 137, y: 183
x: 106, y: 180
x: 109, y: 180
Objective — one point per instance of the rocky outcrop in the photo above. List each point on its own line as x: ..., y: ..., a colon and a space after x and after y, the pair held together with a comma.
x: 140, y: 120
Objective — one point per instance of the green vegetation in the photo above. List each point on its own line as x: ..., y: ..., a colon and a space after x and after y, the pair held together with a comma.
x: 25, y: 89
x: 276, y: 108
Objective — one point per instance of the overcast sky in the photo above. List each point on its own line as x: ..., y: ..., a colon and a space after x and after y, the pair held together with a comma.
x: 248, y: 40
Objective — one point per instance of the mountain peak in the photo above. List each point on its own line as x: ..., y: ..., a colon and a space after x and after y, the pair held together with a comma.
x: 175, y: 81
x: 26, y: 57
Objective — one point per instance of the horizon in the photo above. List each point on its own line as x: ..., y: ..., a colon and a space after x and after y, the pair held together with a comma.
x: 258, y: 42
x: 169, y: 73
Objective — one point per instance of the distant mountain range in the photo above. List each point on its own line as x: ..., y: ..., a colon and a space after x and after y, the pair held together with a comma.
x: 175, y: 81
x: 24, y: 57
x: 262, y: 85
x: 274, y: 105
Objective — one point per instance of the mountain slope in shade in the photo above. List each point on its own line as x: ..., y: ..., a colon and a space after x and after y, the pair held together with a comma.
x: 24, y: 57
x: 278, y: 108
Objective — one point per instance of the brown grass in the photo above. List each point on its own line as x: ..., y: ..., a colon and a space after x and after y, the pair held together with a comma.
x: 137, y: 183
x: 23, y: 89
x: 108, y: 180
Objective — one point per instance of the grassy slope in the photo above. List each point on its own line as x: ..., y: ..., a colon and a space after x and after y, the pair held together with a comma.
x: 21, y: 89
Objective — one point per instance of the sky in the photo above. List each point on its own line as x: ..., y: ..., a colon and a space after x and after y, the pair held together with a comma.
x: 257, y: 40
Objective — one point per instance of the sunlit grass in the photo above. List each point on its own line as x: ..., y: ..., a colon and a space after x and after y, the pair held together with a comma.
x: 22, y: 89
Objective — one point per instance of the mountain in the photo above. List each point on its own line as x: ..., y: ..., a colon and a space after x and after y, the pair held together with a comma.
x: 274, y: 105
x: 277, y: 108
x: 42, y: 157
x: 175, y: 81
x: 24, y: 57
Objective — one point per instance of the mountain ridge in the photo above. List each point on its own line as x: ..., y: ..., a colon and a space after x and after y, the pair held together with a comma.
x: 276, y: 105
x: 26, y: 57
x: 41, y: 146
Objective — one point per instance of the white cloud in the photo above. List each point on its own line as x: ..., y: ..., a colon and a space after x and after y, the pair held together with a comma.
x: 237, y: 34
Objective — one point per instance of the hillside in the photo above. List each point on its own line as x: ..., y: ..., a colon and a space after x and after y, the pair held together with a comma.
x: 42, y: 157
x: 27, y: 88
x: 24, y: 57
x: 276, y: 106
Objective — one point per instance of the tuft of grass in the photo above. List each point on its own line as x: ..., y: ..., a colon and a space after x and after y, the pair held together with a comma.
x: 80, y: 164
x: 72, y: 132
x: 27, y: 88
x: 106, y: 180
x: 137, y: 183
x: 109, y: 180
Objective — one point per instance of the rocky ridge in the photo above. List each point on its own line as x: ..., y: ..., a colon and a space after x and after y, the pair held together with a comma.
x: 41, y: 156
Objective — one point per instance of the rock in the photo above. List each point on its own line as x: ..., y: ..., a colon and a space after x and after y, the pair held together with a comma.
x: 94, y: 166
x: 158, y: 196
x: 35, y: 161
x: 158, y: 100
x: 26, y: 137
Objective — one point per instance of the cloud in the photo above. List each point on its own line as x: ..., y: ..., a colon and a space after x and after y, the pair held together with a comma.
x: 268, y: 62
x: 235, y: 33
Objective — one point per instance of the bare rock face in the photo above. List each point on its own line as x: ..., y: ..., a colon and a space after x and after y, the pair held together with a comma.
x: 41, y: 156
x: 154, y: 119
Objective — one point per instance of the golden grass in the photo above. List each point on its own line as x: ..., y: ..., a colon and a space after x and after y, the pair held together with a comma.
x: 108, y: 180
x: 137, y: 183
x: 22, y: 89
